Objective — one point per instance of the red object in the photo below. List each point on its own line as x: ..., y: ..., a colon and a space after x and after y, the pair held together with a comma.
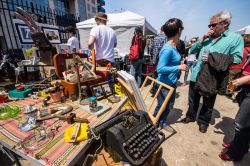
x: 20, y: 88
x: 109, y: 65
x: 245, y: 53
x: 246, y: 69
x: 134, y: 50
x: 148, y: 68
x: 103, y: 74
x: 225, y: 145
x: 3, y: 98
x: 60, y: 62
x: 225, y: 157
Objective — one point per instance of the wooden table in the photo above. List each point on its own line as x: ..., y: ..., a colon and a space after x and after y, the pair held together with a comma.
x: 75, y: 151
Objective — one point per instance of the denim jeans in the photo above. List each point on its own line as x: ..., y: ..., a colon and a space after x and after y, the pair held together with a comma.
x: 240, y: 144
x: 136, y: 70
x: 190, y: 65
x: 193, y: 105
x: 160, y: 99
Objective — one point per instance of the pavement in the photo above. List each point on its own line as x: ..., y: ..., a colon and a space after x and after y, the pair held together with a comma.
x: 187, y: 146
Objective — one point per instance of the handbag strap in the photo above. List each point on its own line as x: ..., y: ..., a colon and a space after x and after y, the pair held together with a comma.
x: 246, y: 63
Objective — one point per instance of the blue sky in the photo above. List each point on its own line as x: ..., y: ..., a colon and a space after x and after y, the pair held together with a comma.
x: 195, y: 14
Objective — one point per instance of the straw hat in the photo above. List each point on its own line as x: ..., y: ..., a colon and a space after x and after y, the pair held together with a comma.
x: 102, y: 16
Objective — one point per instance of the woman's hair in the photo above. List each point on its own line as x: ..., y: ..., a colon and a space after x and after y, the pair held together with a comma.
x: 172, y: 27
x: 138, y: 30
x: 246, y: 40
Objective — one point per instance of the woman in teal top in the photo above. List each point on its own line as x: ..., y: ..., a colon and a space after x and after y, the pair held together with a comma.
x: 168, y: 67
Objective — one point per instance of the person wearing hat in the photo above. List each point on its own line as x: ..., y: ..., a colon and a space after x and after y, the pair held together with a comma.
x: 72, y: 41
x: 104, y: 40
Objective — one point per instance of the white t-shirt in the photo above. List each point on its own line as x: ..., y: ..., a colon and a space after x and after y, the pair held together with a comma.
x: 105, y: 42
x: 74, y: 43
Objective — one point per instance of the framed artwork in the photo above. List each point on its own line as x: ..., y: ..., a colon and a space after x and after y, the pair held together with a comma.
x: 106, y: 89
x: 101, y: 90
x: 97, y: 91
x: 24, y: 34
x: 52, y: 35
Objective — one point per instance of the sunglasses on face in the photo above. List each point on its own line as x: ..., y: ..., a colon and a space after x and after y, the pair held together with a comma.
x: 214, y: 25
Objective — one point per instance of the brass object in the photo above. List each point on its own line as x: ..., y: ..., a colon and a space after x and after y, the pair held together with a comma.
x: 71, y: 118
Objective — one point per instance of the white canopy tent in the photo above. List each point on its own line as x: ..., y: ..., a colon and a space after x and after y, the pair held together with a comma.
x: 123, y: 24
x: 245, y: 30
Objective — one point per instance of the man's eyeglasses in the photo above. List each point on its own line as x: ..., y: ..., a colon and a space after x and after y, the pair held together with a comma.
x: 182, y: 28
x: 214, y: 25
x: 192, y: 41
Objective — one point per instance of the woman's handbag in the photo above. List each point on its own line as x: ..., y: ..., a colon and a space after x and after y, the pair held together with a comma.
x: 232, y: 88
x: 134, y: 50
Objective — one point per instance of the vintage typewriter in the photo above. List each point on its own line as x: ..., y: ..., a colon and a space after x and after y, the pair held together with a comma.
x: 130, y: 137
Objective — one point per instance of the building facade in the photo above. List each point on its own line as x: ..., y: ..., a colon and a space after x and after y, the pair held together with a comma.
x: 60, y: 13
x: 91, y: 8
x: 94, y: 6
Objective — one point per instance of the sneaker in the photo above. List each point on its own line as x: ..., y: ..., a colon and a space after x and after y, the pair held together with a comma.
x: 225, y: 156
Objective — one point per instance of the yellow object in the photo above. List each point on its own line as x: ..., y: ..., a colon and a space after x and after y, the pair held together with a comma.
x: 29, y: 53
x: 81, y: 136
x: 119, y: 90
x: 43, y: 94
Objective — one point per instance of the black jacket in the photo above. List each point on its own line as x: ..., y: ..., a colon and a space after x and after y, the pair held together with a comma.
x: 212, y: 78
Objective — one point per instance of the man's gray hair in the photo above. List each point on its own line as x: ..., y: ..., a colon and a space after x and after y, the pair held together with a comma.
x: 224, y: 16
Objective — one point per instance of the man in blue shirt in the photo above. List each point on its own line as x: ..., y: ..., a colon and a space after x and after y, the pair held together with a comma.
x: 218, y: 39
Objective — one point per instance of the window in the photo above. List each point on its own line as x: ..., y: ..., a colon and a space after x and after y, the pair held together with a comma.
x: 93, y: 9
x: 93, y: 1
x: 88, y: 7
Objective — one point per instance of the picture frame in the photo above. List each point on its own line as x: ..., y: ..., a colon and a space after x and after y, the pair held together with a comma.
x: 97, y: 91
x: 24, y: 33
x: 101, y: 90
x: 63, y: 49
x: 107, y: 90
x: 142, y: 99
x: 52, y: 35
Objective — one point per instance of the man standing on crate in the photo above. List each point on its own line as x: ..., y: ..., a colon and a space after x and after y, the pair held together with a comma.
x: 104, y: 39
